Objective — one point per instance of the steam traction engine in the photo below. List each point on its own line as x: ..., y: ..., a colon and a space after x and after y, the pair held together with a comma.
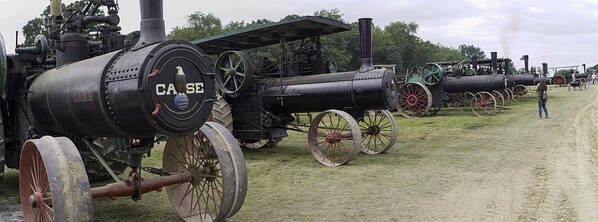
x: 477, y: 85
x: 563, y: 76
x: 109, y: 101
x: 258, y: 103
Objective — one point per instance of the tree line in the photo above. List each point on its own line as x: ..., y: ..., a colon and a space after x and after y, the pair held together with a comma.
x: 394, y: 44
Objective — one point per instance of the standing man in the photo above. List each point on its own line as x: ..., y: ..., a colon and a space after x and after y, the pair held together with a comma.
x: 594, y: 78
x: 542, y: 91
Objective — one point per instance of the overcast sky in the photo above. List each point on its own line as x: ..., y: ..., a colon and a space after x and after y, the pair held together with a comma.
x: 554, y: 31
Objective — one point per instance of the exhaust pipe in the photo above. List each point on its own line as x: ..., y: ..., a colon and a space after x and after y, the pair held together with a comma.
x: 584, y: 68
x: 544, y: 69
x: 56, y: 18
x: 474, y: 63
x: 494, y: 57
x: 525, y: 59
x: 55, y: 8
x: 365, y: 34
x: 152, y: 28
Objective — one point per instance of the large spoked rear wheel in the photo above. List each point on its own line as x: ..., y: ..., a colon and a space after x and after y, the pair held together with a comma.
x: 506, y: 95
x: 414, y: 100
x: 232, y: 147
x: 560, y: 81
x: 519, y: 91
x: 379, y: 132
x: 234, y: 72
x: 500, y: 100
x: 52, y: 181
x: 464, y: 101
x: 334, y: 138
x: 210, y: 196
x: 484, y: 104
x: 511, y: 95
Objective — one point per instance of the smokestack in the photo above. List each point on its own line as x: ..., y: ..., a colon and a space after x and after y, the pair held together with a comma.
x: 494, y: 62
x: 55, y: 8
x: 584, y: 68
x: 152, y: 23
x: 365, y: 34
x: 544, y: 69
x: 474, y: 63
x: 525, y: 59
x: 56, y: 19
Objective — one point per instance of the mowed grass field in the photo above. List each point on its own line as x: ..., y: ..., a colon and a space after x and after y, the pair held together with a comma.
x: 446, y: 167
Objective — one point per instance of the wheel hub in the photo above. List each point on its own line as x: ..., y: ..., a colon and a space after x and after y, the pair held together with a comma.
x: 230, y: 72
x: 36, y: 199
x: 374, y: 130
x: 333, y: 138
x: 411, y: 100
x: 200, y: 173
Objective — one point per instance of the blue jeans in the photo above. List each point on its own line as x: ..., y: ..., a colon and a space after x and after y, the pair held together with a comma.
x: 542, y: 105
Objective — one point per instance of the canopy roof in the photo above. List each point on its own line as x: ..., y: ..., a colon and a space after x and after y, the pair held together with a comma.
x: 269, y: 34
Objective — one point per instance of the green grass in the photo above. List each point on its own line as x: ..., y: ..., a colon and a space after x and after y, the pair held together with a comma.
x: 431, y: 157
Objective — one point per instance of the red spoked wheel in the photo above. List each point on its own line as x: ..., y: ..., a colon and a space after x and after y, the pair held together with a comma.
x: 560, y: 81
x: 52, y: 181
x: 211, y: 194
x: 500, y: 100
x: 379, y: 131
x: 334, y: 138
x: 484, y: 104
x: 512, y: 95
x: 462, y: 101
x: 506, y: 95
x: 414, y: 100
x: 519, y: 91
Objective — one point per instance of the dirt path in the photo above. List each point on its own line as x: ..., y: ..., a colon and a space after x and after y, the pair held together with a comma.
x: 529, y: 170
x: 565, y: 184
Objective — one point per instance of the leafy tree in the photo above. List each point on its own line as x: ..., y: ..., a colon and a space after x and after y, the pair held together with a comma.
x: 200, y: 25
x: 395, y: 44
x: 469, y: 51
x: 334, y: 14
x: 39, y: 25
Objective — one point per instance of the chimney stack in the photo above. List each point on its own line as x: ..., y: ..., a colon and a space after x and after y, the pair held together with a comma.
x: 152, y: 28
x: 494, y: 57
x: 525, y: 59
x: 365, y: 34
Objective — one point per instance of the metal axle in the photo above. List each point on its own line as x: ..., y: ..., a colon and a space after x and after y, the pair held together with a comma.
x: 121, y: 189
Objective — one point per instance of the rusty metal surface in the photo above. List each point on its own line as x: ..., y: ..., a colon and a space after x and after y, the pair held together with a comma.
x: 53, y: 182
x: 121, y: 189
x: 238, y: 161
x: 210, y: 194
